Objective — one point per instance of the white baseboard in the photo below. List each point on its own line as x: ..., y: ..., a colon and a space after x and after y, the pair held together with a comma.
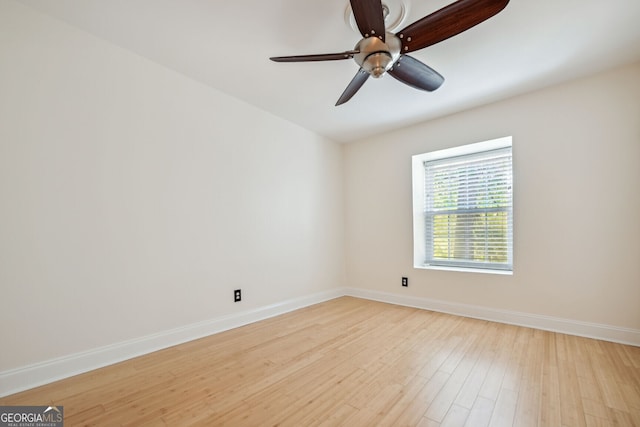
x: 547, y: 323
x: 27, y: 377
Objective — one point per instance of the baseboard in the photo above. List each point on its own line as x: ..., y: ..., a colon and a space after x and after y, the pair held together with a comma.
x: 24, y: 378
x: 554, y: 324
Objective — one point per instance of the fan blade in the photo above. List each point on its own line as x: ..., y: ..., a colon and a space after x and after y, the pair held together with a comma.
x: 321, y: 57
x: 369, y: 17
x: 414, y: 73
x: 355, y: 85
x: 447, y: 22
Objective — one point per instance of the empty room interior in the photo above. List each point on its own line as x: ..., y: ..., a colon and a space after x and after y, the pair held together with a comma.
x: 194, y: 234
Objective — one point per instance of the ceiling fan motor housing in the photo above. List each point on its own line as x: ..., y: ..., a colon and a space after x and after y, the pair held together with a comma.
x: 377, y: 57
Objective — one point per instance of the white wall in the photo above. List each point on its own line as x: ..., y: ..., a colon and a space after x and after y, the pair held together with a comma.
x: 134, y: 200
x: 576, y: 204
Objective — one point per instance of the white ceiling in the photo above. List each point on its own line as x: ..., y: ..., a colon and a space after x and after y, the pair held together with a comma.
x: 226, y: 45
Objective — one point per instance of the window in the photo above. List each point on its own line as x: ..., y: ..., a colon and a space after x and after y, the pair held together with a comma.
x: 463, y: 210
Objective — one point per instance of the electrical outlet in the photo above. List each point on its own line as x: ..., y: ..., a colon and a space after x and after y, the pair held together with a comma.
x: 237, y: 295
x: 405, y: 281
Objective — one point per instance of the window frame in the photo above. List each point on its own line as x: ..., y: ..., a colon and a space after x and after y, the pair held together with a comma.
x: 422, y: 246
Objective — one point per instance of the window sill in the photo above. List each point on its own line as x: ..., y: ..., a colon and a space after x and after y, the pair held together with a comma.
x: 465, y: 269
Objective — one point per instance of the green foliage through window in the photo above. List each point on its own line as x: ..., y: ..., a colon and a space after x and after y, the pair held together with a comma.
x: 468, y: 210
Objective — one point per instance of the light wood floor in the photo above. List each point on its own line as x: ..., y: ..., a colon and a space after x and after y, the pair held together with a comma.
x: 361, y: 363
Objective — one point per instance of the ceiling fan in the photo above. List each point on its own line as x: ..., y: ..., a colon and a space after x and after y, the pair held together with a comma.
x: 381, y: 52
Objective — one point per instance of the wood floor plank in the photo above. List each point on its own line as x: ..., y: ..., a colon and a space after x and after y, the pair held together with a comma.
x: 597, y: 422
x: 470, y: 389
x: 528, y: 406
x: 355, y: 362
x: 416, y: 409
x: 550, y: 414
x: 505, y: 408
x: 480, y: 413
x: 456, y: 416
x: 409, y: 394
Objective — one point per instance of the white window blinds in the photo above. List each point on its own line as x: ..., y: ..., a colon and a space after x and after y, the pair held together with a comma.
x: 468, y: 210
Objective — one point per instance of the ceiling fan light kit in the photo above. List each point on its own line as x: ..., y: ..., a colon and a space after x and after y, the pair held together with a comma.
x: 380, y: 51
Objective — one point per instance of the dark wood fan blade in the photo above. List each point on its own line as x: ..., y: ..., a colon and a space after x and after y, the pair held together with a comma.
x: 355, y: 85
x: 369, y: 17
x: 414, y: 73
x: 321, y: 57
x: 447, y: 22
